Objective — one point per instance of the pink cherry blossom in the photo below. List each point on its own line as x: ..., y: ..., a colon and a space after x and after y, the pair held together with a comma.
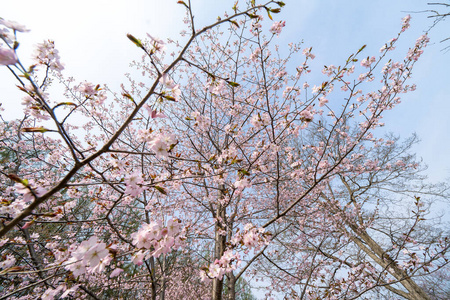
x: 77, y: 267
x: 6, y: 35
x: 138, y: 258
x: 160, y: 148
x: 116, y: 272
x: 134, y: 184
x: 173, y: 227
x: 158, y: 44
x: 405, y: 22
x: 87, y: 89
x: 166, y: 81
x: 26, y: 191
x: 307, y: 53
x: 46, y: 54
x: 154, y: 114
x: 277, y: 27
x: 70, y: 291
x: 367, y: 62
x: 242, y: 183
x: 51, y: 293
x: 7, y: 57
x: 95, y: 254
x: 14, y: 25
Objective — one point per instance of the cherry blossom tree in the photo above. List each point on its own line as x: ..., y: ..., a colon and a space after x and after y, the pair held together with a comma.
x: 215, y: 165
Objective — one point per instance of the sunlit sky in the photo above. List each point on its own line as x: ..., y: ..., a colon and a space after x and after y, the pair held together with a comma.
x: 91, y: 38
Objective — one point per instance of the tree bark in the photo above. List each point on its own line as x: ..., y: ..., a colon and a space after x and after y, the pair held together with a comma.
x: 231, y: 284
x: 220, y: 240
x: 380, y: 257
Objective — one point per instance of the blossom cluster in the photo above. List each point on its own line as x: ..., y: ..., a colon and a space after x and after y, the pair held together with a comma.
x: 255, y: 55
x: 8, y: 55
x: 47, y: 55
x: 13, y: 25
x: 241, y: 184
x: 307, y: 52
x: 134, y: 185
x: 202, y: 122
x: 91, y: 91
x: 226, y: 264
x: 259, y: 120
x: 405, y: 22
x: 158, y: 44
x: 251, y: 237
x: 217, y: 87
x: 28, y: 191
x: 160, y: 143
x: 32, y: 102
x: 157, y: 239
x: 417, y: 51
x: 277, y: 27
x: 367, y: 62
x: 90, y: 256
x: 7, y: 262
x: 255, y: 29
x: 170, y: 84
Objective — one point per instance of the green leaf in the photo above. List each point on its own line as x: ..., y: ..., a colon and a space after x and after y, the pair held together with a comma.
x: 244, y: 172
x: 184, y: 3
x: 235, y: 161
x: 233, y: 84
x: 252, y: 16
x: 213, y: 78
x: 31, y: 69
x: 235, y: 7
x: 172, y: 146
x: 64, y: 103
x: 136, y: 41
x: 126, y: 95
x: 362, y: 48
x: 234, y: 23
x: 160, y: 189
x: 16, y: 178
x: 35, y: 129
x: 170, y: 98
x: 280, y: 3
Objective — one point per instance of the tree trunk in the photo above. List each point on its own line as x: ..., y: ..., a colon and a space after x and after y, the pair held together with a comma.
x: 231, y: 284
x: 163, y: 288
x: 220, y: 240
x: 152, y: 277
x: 380, y: 257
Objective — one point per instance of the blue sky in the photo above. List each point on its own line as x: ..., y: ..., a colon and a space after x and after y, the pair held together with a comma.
x: 91, y: 38
x: 338, y: 28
